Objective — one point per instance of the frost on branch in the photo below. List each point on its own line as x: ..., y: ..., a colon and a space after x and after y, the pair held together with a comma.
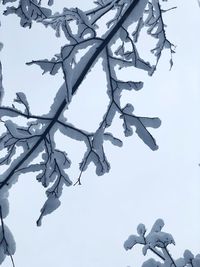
x: 118, y: 48
x: 157, y: 242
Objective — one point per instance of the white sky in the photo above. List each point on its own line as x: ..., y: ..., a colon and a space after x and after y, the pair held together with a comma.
x: 94, y: 220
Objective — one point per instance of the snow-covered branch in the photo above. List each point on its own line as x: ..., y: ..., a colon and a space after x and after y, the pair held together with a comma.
x: 38, y: 136
x: 157, y: 242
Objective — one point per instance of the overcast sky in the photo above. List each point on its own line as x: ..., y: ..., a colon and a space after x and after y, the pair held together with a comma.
x: 94, y: 220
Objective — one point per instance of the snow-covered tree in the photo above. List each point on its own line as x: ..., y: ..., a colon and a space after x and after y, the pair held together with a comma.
x: 116, y: 48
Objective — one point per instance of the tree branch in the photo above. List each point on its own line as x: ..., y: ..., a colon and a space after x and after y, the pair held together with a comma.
x: 63, y: 104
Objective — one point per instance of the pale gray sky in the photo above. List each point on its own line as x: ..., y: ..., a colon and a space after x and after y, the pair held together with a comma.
x: 94, y: 220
